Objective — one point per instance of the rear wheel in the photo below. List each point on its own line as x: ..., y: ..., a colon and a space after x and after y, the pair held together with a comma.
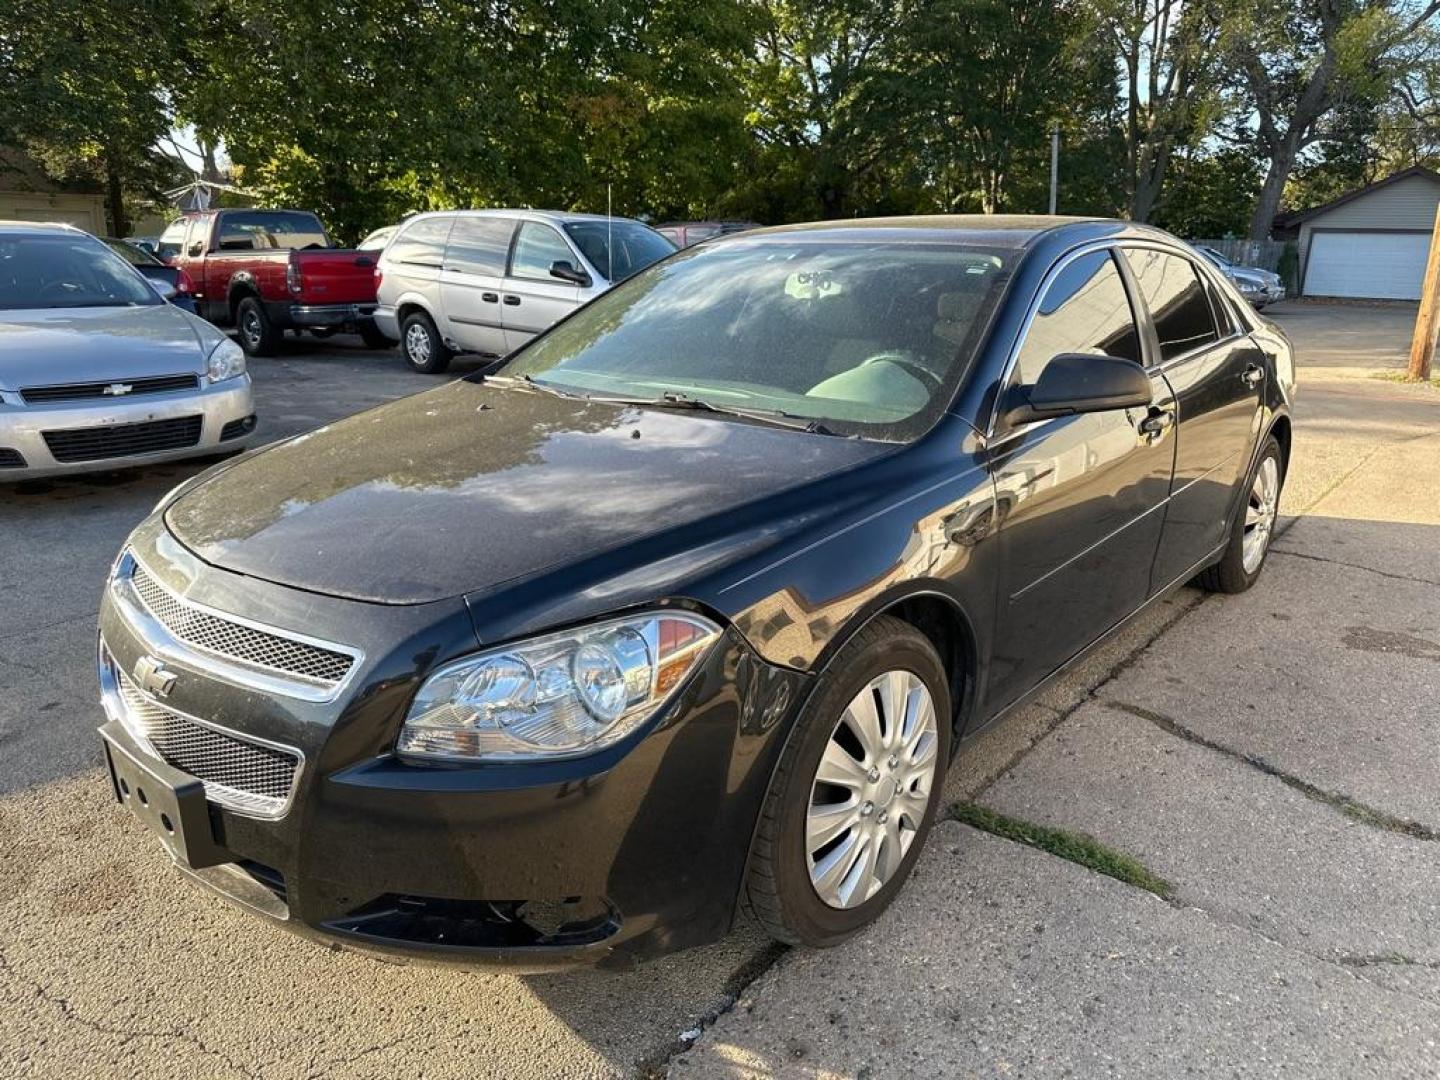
x: 258, y: 335
x: 421, y: 343
x: 856, y: 790
x: 1254, y: 527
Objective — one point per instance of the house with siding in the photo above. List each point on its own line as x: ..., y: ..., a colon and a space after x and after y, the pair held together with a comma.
x: 1370, y: 243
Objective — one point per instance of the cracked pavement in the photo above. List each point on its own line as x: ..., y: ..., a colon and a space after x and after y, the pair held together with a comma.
x: 1271, y: 755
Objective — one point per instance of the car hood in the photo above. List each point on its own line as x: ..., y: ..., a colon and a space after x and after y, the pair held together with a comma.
x: 63, y: 345
x: 469, y: 486
x: 1254, y: 275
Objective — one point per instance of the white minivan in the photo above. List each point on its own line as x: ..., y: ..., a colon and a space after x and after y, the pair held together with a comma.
x: 487, y: 281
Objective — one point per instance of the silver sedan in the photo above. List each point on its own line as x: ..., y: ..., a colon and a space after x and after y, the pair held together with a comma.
x: 97, y: 370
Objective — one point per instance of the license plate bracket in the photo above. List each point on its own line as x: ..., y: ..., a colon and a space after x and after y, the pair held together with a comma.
x: 171, y: 803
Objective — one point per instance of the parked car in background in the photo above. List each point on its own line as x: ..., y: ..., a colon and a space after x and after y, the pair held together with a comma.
x: 686, y: 607
x: 487, y: 281
x: 377, y: 240
x: 171, y: 281
x: 269, y: 271
x: 686, y: 233
x: 97, y: 370
x: 1260, y: 287
x: 146, y: 243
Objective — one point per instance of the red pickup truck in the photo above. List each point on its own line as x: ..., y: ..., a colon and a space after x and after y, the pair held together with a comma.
x: 269, y: 271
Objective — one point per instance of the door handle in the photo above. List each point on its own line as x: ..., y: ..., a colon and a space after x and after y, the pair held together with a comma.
x: 1156, y: 423
x: 490, y: 297
x: 1252, y: 375
x: 512, y: 301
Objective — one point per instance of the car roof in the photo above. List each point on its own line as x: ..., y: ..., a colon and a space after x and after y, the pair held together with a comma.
x: 38, y: 228
x: 555, y: 217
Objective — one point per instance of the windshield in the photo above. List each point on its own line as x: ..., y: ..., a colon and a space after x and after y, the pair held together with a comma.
x: 619, y: 249
x: 67, y: 270
x: 868, y: 338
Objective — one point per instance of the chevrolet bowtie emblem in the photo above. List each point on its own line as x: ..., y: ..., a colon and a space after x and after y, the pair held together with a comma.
x: 154, y: 677
x: 118, y: 389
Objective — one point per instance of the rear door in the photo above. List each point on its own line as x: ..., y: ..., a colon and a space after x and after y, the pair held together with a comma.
x: 472, y: 280
x: 1080, y: 499
x: 1217, y: 375
x: 534, y: 301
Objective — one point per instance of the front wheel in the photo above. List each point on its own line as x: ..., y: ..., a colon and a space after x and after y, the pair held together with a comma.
x: 1254, y: 527
x: 856, y: 790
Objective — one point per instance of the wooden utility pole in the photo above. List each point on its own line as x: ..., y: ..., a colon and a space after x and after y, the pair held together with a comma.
x: 1422, y: 346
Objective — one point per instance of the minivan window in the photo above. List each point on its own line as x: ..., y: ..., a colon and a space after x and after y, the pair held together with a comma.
x: 271, y: 230
x: 422, y: 243
x: 1085, y: 310
x: 619, y: 249
x: 1176, y: 299
x: 479, y: 244
x: 536, y: 248
x: 869, y: 337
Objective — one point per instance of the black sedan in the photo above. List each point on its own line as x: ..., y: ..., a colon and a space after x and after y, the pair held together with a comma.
x: 170, y: 282
x: 688, y: 607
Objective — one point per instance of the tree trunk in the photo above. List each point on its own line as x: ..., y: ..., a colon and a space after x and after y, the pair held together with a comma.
x: 1282, y: 160
x: 115, y: 199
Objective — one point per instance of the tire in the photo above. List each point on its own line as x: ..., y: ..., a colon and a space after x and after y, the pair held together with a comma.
x: 779, y: 892
x: 373, y: 338
x: 258, y: 335
x: 1238, y: 569
x: 421, y: 345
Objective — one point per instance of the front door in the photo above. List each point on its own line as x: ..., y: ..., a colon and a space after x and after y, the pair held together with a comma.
x: 1080, y: 499
x: 1217, y: 374
x: 533, y: 300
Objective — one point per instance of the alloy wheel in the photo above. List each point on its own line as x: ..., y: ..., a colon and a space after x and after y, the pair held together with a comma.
x: 250, y: 327
x: 871, y: 789
x: 417, y: 344
x: 1260, y: 512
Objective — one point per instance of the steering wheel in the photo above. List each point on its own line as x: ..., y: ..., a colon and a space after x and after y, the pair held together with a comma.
x: 911, y: 367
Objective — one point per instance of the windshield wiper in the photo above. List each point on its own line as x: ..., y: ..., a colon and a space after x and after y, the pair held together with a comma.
x: 525, y: 382
x: 674, y: 399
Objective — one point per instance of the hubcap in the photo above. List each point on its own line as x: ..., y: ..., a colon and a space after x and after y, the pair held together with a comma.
x: 1260, y: 514
x: 871, y: 789
x: 417, y: 344
x: 250, y: 326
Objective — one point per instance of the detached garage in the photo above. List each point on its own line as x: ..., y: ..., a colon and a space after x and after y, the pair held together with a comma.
x: 1370, y: 244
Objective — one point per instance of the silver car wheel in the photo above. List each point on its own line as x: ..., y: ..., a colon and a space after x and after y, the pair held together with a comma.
x: 417, y: 344
x: 250, y: 327
x: 871, y: 789
x: 1260, y: 512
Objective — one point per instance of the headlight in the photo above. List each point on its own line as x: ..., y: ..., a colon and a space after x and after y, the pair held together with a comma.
x: 227, y: 360
x: 561, y: 695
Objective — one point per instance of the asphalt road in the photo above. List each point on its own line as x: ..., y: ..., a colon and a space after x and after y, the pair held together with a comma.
x: 1216, y: 740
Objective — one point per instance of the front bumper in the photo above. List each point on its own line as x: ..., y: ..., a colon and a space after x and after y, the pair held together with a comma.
x: 23, y: 428
x: 629, y: 853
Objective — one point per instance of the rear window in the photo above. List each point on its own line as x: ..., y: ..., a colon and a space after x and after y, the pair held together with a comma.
x: 271, y: 230
x: 422, y: 243
x: 1176, y: 299
x: 619, y: 249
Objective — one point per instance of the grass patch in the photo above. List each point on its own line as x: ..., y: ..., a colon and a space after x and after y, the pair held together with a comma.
x: 1076, y: 847
x: 1401, y: 377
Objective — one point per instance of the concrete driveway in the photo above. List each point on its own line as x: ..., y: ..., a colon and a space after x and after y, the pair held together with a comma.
x: 1269, y: 758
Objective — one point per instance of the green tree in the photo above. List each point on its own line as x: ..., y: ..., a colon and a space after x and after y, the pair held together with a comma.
x: 83, y: 89
x: 1209, y: 195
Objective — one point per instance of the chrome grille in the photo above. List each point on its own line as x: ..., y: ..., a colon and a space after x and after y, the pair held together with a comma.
x: 159, y: 384
x: 236, y: 641
x: 247, y: 776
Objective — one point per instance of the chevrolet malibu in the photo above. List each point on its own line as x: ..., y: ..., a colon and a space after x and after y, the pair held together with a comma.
x: 97, y: 371
x: 688, y: 607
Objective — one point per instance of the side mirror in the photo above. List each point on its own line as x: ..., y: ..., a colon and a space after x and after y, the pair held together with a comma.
x: 197, y: 249
x: 566, y: 271
x: 1081, y: 383
x: 163, y: 279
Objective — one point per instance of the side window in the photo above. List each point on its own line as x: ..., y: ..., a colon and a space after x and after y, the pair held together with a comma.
x: 536, y: 248
x: 1177, y: 301
x: 479, y: 244
x: 1085, y: 309
x: 422, y: 243
x: 197, y: 238
x: 172, y: 240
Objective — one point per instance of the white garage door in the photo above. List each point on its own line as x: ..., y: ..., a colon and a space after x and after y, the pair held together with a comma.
x: 1367, y: 265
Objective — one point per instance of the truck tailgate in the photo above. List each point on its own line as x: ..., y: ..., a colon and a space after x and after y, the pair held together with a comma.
x: 334, y: 276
